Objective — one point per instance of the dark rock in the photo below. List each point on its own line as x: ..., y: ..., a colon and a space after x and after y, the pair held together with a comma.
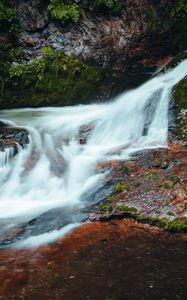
x: 116, y: 44
x: 33, y: 15
x: 54, y: 219
x: 11, y: 137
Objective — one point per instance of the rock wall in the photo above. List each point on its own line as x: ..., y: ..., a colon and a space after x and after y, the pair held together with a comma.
x: 138, y: 34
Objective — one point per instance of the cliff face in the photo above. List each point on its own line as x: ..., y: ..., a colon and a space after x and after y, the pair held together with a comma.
x: 122, y: 44
x: 139, y: 32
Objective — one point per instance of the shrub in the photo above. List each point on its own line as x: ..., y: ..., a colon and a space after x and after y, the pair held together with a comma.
x: 65, y: 11
x: 8, y: 20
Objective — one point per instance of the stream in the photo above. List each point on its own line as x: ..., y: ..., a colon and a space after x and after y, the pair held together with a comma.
x: 56, y: 171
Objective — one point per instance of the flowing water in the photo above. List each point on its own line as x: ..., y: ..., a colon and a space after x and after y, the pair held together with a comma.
x: 55, y: 170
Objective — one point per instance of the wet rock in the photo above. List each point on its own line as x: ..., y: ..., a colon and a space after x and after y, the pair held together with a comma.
x: 12, y: 136
x: 125, y: 260
x: 10, y: 141
x: 154, y: 192
x: 53, y: 219
x: 33, y: 15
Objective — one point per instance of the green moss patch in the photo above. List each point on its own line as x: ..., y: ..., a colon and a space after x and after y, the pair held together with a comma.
x: 54, y: 79
x: 65, y: 11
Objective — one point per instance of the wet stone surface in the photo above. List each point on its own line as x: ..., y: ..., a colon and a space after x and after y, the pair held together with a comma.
x: 155, y: 186
x: 100, y: 261
x: 12, y: 137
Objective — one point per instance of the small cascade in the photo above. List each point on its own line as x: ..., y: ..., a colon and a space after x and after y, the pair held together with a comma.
x: 5, y: 156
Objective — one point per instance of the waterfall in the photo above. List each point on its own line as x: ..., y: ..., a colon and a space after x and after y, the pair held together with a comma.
x: 55, y: 170
x: 5, y: 157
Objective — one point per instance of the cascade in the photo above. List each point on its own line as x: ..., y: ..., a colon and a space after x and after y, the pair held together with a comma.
x: 55, y: 170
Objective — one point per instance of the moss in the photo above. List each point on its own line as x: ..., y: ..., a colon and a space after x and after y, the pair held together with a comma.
x: 111, y: 199
x: 168, y: 185
x: 121, y: 187
x: 8, y: 19
x: 106, y: 207
x: 171, y: 213
x: 176, y: 225
x: 178, y: 21
x: 175, y: 179
x: 8, y: 31
x: 180, y: 97
x: 65, y: 11
x: 152, y: 176
x: 52, y: 80
x: 127, y: 209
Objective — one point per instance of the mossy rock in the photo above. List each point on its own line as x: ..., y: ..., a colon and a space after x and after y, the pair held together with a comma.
x: 180, y: 99
x: 53, y: 80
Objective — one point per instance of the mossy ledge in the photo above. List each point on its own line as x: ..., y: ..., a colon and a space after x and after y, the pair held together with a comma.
x: 54, y: 79
x: 176, y: 225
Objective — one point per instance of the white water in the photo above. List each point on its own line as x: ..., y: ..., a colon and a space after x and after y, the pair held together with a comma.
x: 30, y: 186
x: 5, y: 157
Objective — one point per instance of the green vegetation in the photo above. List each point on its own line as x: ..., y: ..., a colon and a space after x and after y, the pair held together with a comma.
x: 54, y: 77
x: 176, y: 225
x: 54, y: 70
x: 8, y: 20
x: 178, y: 19
x: 171, y: 213
x: 69, y: 11
x: 106, y: 207
x: 8, y: 31
x: 168, y: 185
x: 121, y: 187
x: 127, y: 209
x: 65, y: 11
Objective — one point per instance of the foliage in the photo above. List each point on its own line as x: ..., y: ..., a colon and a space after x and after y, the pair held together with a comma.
x: 127, y: 209
x: 179, y: 10
x: 65, y: 11
x: 8, y: 20
x: 121, y: 187
x: 178, y: 19
x: 56, y: 77
x: 112, y: 6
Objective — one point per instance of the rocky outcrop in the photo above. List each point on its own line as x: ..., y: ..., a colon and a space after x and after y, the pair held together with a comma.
x: 139, y: 34
x: 178, y: 103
